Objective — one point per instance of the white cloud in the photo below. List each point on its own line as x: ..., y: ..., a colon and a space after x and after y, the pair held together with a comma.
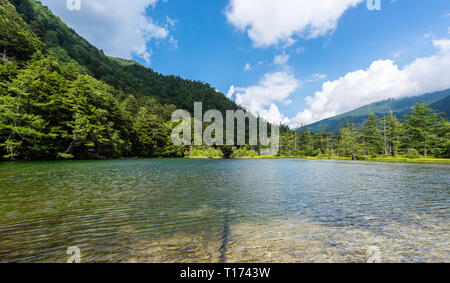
x: 171, y: 22
x: 397, y: 54
x: 316, y: 78
x: 273, y: 115
x: 271, y: 22
x: 231, y: 92
x: 261, y: 99
x: 281, y: 59
x: 289, y: 42
x: 442, y: 44
x: 247, y: 67
x: 382, y: 80
x: 120, y: 28
x: 300, y: 50
x: 287, y: 102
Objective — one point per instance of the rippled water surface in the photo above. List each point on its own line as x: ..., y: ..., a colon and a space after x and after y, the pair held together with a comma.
x: 224, y: 211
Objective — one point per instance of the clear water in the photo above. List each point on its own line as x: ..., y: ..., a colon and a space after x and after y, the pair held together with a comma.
x: 224, y: 211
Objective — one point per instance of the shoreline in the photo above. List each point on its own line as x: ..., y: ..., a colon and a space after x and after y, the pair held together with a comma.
x: 387, y: 160
x: 390, y: 160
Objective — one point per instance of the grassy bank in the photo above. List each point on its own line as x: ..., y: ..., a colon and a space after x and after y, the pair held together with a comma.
x: 411, y: 160
x: 387, y: 159
x: 202, y: 157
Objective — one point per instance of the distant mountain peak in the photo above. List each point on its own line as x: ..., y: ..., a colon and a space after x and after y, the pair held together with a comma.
x: 439, y: 101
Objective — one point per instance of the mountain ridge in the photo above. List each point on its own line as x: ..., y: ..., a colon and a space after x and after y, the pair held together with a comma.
x: 128, y: 76
x: 62, y: 98
x: 439, y: 101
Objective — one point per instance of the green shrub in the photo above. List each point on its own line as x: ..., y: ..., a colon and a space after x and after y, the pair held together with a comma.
x: 243, y: 152
x: 413, y: 154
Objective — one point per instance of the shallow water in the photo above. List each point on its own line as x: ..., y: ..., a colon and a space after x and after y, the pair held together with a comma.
x: 224, y: 211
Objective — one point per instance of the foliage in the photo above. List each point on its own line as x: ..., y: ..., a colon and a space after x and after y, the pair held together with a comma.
x: 420, y: 127
x: 17, y: 41
x: 50, y: 110
x: 129, y: 77
x: 243, y: 152
x: 204, y: 152
x: 438, y: 101
x: 62, y: 98
x: 413, y: 154
x: 423, y: 133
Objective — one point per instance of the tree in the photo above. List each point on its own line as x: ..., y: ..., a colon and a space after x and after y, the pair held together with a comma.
x: 98, y: 124
x: 306, y: 142
x: 16, y: 38
x: 420, y: 128
x: 442, y: 147
x: 324, y: 141
x: 149, y: 129
x: 25, y: 110
x: 372, y: 141
x: 348, y: 138
x: 392, y: 135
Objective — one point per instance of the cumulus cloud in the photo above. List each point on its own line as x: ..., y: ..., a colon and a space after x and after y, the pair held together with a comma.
x: 260, y: 99
x: 120, y: 28
x: 247, y: 67
x: 272, y: 22
x: 442, y: 44
x: 383, y: 79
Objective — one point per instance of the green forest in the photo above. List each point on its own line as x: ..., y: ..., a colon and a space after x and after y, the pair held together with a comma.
x: 423, y: 133
x: 62, y: 98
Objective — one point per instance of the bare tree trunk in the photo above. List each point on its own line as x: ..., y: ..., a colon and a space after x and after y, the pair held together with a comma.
x: 4, y: 59
x: 69, y: 149
x: 386, y: 150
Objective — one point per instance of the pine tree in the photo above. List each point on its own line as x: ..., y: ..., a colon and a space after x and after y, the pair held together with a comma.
x: 442, y: 146
x: 420, y: 128
x: 371, y: 136
x: 393, y: 130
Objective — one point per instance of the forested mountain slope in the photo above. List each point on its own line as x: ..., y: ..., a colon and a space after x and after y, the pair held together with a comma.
x: 443, y: 106
x: 439, y: 101
x: 62, y: 98
x: 134, y: 79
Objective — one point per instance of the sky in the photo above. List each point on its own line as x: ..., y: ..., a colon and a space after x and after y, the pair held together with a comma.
x: 290, y: 61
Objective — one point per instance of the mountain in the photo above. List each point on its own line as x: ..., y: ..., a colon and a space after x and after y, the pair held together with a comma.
x: 443, y: 106
x: 439, y: 101
x: 62, y: 98
x: 127, y: 76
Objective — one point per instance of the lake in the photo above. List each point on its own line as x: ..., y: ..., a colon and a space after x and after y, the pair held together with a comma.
x: 180, y: 210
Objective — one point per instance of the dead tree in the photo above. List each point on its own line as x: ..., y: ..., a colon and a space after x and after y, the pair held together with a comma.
x: 3, y: 55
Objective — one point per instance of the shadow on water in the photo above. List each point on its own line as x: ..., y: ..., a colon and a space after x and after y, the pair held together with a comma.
x: 225, y: 239
x: 226, y: 211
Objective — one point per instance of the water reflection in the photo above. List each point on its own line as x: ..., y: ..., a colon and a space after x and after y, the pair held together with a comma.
x: 224, y: 211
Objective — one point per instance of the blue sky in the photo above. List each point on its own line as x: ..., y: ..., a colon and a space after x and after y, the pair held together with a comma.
x: 338, y: 53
